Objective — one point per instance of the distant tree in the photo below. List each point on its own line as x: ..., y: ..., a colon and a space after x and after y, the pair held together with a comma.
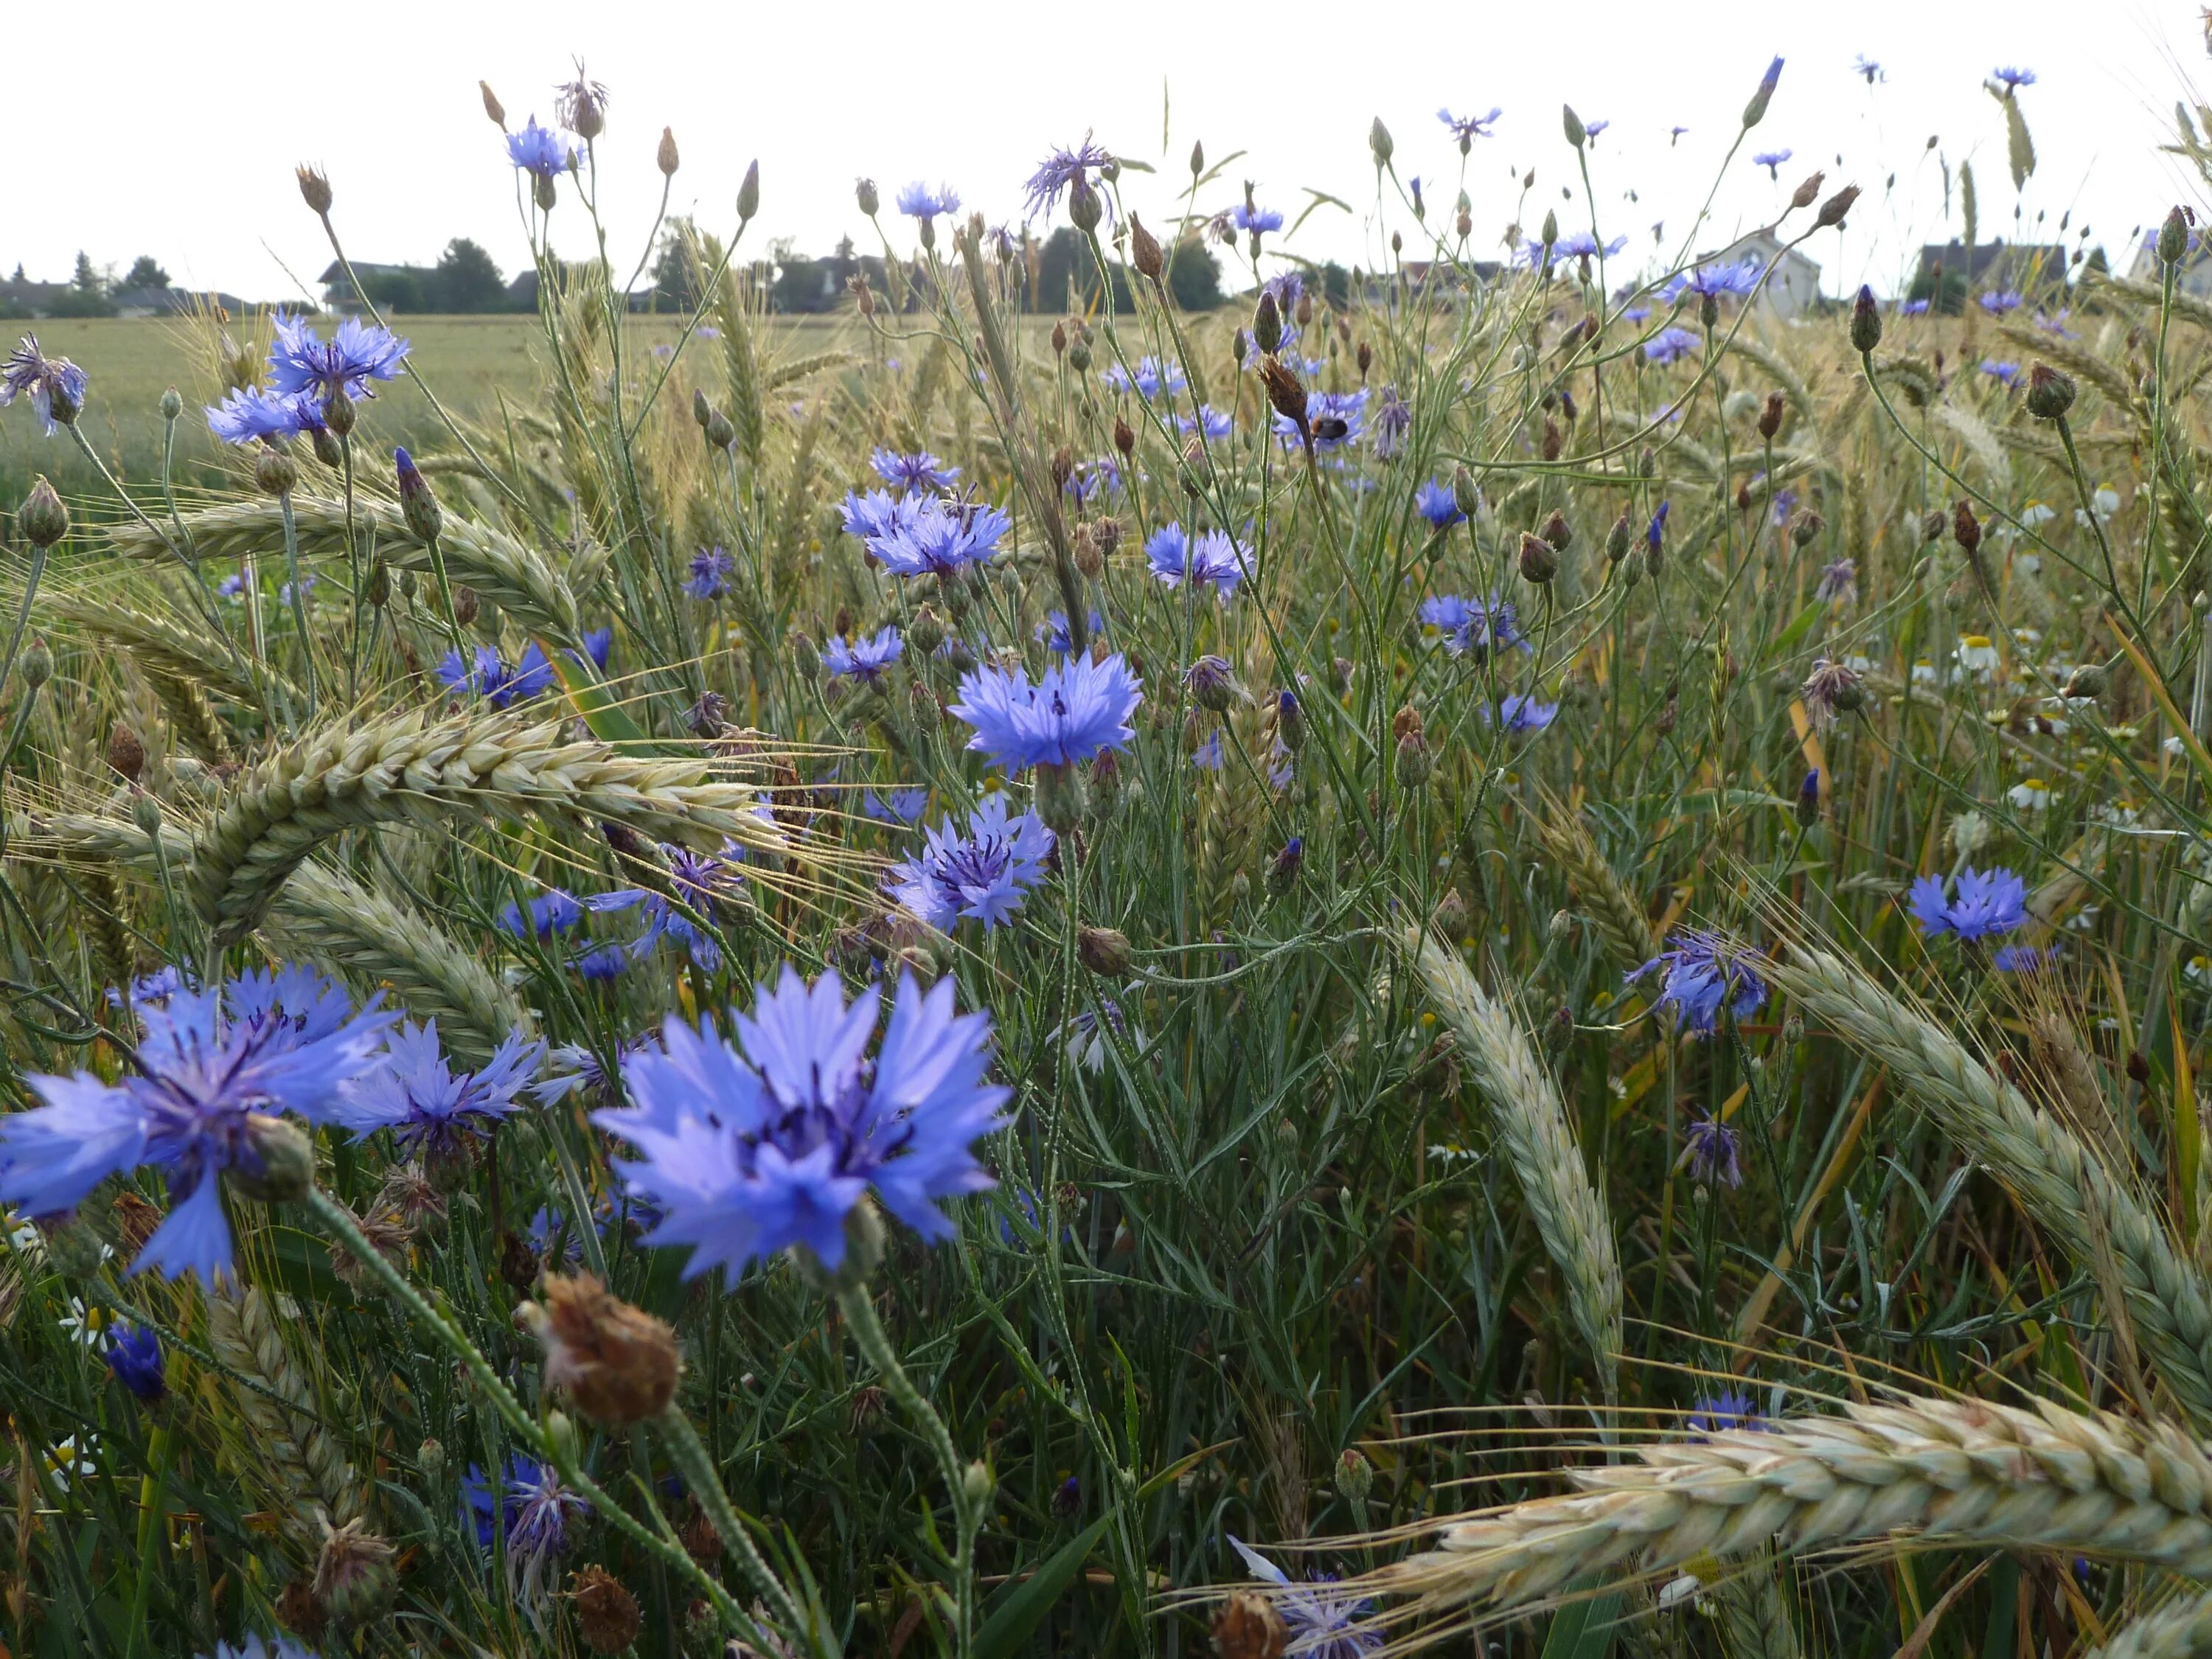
x: 800, y: 285
x: 87, y: 294
x: 394, y: 290
x: 1194, y: 278
x: 145, y: 273
x: 1067, y: 276
x: 674, y: 286
x: 465, y: 280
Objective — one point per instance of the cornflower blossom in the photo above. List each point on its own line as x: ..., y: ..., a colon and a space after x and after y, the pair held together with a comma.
x: 251, y: 415
x: 697, y: 883
x: 1655, y: 533
x: 1213, y: 556
x: 711, y: 570
x: 541, y: 151
x: 1055, y: 173
x: 876, y: 515
x: 2052, y: 322
x: 939, y: 538
x: 434, y: 1113
x: 899, y: 806
x: 1335, y: 418
x: 1711, y: 1148
x: 599, y: 644
x: 1475, y: 628
x: 1287, y: 288
x: 1985, y: 903
x: 302, y: 361
x: 1840, y: 580
x: 1702, y: 972
x: 2007, y: 373
x: 1521, y: 712
x: 1216, y: 424
x: 1150, y: 378
x: 1321, y: 1623
x: 1714, y: 281
x: 1913, y: 308
x: 1208, y: 756
x: 1052, y: 633
x: 1249, y: 216
x: 1578, y: 245
x: 1077, y: 709
x: 134, y: 1358
x: 769, y: 1142
x: 1670, y: 344
x: 2022, y: 958
x: 527, y: 1507
x: 1719, y: 1413
x: 1865, y: 65
x: 917, y: 471
x: 985, y: 874
x: 2012, y: 79
x: 1434, y: 502
x: 1999, y: 302
x: 1771, y: 160
x: 1467, y: 129
x: 554, y: 911
x: 210, y: 1064
x: 918, y: 201
x: 865, y: 661
x: 489, y: 676
x: 1829, y: 689
x: 30, y: 373
x: 1394, y: 419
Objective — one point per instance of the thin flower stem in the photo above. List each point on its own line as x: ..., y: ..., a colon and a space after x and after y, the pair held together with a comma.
x: 23, y: 615
x: 705, y: 1481
x: 299, y: 598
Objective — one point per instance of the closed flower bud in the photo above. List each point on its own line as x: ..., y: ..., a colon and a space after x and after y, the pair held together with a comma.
x: 1283, y: 870
x: 701, y: 410
x: 977, y: 1485
x: 863, y: 193
x: 1267, y: 324
x: 1769, y: 418
x: 1931, y: 524
x: 1966, y: 528
x: 417, y: 506
x: 275, y: 473
x: 1833, y: 209
x: 42, y: 518
x: 1806, y: 528
x: 1355, y: 1475
x: 2173, y: 238
x: 326, y: 448
x: 1103, y: 951
x: 1415, y: 762
x: 339, y: 414
x: 1465, y: 494
x: 466, y: 605
x: 616, y: 1362
x: 2050, y: 393
x: 146, y: 813
x: 1555, y: 531
x: 1085, y: 209
x: 1550, y: 235
x: 545, y: 194
x: 2089, y: 680
x: 607, y: 1615
x: 314, y: 188
x: 748, y: 194
x: 127, y: 755
x: 1249, y: 1626
x: 37, y: 665
x: 1378, y: 141
x: 1866, y: 322
x: 279, y: 1162
x: 1058, y: 339
x: 1539, y: 563
x: 1105, y: 790
x: 353, y: 1580
x: 1577, y: 135
x: 172, y: 405
x: 924, y: 632
x: 1079, y: 354
x: 1285, y: 393
x: 1808, y: 800
x: 1086, y: 554
x: 1802, y: 197
x: 1145, y: 252
x: 493, y: 108
x: 1452, y: 917
x: 1755, y: 111
x: 1125, y: 438
x: 1290, y: 721
x: 1212, y: 684
x: 721, y: 433
x: 1619, y: 539
x: 1197, y: 160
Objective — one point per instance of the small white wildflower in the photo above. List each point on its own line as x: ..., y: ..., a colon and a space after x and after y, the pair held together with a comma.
x: 2197, y: 970
x: 2029, y: 794
x: 1923, y: 672
x: 1976, y: 654
x: 2036, y: 514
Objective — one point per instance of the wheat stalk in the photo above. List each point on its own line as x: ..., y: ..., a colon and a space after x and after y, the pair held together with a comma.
x: 166, y: 649
x: 1620, y: 920
x: 2069, y: 1192
x: 1531, y: 1120
x: 2182, y: 1629
x: 1960, y: 1472
x: 516, y: 578
x: 289, y: 1441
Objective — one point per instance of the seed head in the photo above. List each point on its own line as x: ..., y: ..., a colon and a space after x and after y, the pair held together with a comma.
x: 466, y: 605
x: 314, y: 188
x: 1833, y: 209
x: 1769, y: 418
x: 1248, y: 1626
x: 1803, y: 195
x: 42, y: 518
x: 125, y: 754
x: 617, y: 1363
x: 607, y: 1615
x: 1285, y: 393
x: 1415, y: 762
x: 1866, y: 322
x: 1145, y: 252
x: 666, y: 156
x: 37, y: 667
x: 353, y: 1573
x: 1212, y: 684
x: 863, y: 193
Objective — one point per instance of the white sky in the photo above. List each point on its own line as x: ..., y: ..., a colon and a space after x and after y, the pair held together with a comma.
x: 137, y: 127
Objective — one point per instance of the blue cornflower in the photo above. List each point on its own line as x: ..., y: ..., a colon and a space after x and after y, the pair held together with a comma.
x: 1473, y: 627
x: 530, y: 1508
x: 541, y: 151
x: 1213, y: 558
x: 1520, y: 711
x: 1467, y: 129
x: 985, y: 874
x: 434, y: 1113
x: 1913, y: 308
x: 1058, y: 171
x: 1702, y: 972
x: 1093, y: 478
x: 1207, y: 756
x: 2007, y: 373
x: 1654, y: 532
x: 1394, y: 419
x: 1580, y: 244
x: 2012, y: 79
x: 1669, y: 344
x: 1334, y: 417
x: 1838, y: 581
x: 1288, y: 287
x: 1718, y: 1413
x: 711, y: 570
x: 1999, y: 301
x: 2022, y: 958
x: 1151, y: 376
x: 863, y: 659
x: 209, y: 1064
x: 603, y: 962
x: 307, y: 585
x: 1078, y: 709
x: 1216, y: 424
x: 159, y: 986
x: 1433, y: 501
x: 1322, y: 1623
x: 135, y: 1357
x: 1711, y: 1150
x: 300, y: 360
x: 259, y: 1647
x: 1053, y: 632
x: 29, y: 373
x: 1591, y: 128
x: 554, y: 911
x: 2055, y: 323
x: 939, y: 537
x: 552, y: 1240
x: 1771, y: 160
x: 232, y: 587
x: 1865, y: 65
x: 1986, y: 902
x: 1635, y: 314
x: 1739, y: 278
x: 1248, y: 215
x: 699, y: 881
x: 249, y: 416
x: 918, y: 201
x: 598, y: 645
x: 769, y: 1142
x: 919, y: 471
x: 489, y: 676
x: 903, y: 806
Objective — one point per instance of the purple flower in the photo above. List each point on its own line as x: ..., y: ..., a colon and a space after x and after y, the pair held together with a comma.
x: 531, y: 1509
x: 684, y: 915
x: 1473, y: 627
x: 1865, y: 65
x: 1216, y: 424
x: 1771, y: 160
x: 1712, y: 281
x: 1521, y: 712
x: 1719, y: 1413
x: 2022, y: 958
x: 1334, y: 417
x: 1838, y: 581
x: 301, y: 362
x: 209, y: 1065
x: 939, y: 537
x: 1669, y: 344
x: 758, y: 1145
x: 135, y: 1357
x: 1703, y: 972
x: 1394, y: 419
x: 1986, y: 902
x: 919, y: 471
x: 1151, y: 376
x: 1655, y: 532
x: 433, y: 1113
x: 491, y: 679
x: 2006, y: 373
x: 1322, y: 1623
x: 711, y: 570
x: 1054, y: 174
x: 1434, y: 502
x: 599, y: 644
x: 1913, y: 308
x: 901, y: 806
x: 863, y: 659
x: 1077, y: 709
x: 1831, y: 686
x: 1053, y: 632
x: 2014, y: 79
x: 985, y: 874
x: 1213, y: 558
x: 29, y: 373
x: 249, y: 416
x: 1207, y: 756
x: 541, y: 151
x: 918, y: 201
x: 554, y: 911
x: 1248, y: 215
x: 1467, y: 129
x: 1711, y: 1146
x: 1998, y: 301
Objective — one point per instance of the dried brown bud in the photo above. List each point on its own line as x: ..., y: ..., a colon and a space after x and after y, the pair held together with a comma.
x: 1365, y: 356
x: 1107, y: 533
x: 1556, y: 532
x: 1553, y: 441
x: 466, y: 605
x: 665, y: 157
x: 353, y: 1573
x: 617, y: 1363
x: 1145, y: 252
x: 1539, y: 563
x: 1833, y: 209
x: 493, y: 108
x: 1405, y: 723
x: 1063, y: 466
x: 1769, y: 418
x: 1086, y: 554
x: 1284, y: 394
x: 1966, y: 528
x: 124, y: 752
x: 1103, y: 951
x: 1059, y: 338
x: 314, y: 188
x: 607, y: 1615
x: 1125, y: 440
x: 1248, y: 1627
x: 1805, y: 192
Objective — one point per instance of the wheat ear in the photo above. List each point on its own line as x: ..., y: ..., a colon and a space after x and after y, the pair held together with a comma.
x: 512, y: 576
x: 2182, y: 1629
x: 417, y: 767
x: 1530, y: 1119
x: 1963, y: 1472
x: 1755, y: 1614
x: 288, y: 1437
x: 2070, y: 1193
x: 1620, y: 920
x: 165, y: 648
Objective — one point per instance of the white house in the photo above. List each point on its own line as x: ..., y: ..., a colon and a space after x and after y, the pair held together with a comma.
x: 1792, y: 290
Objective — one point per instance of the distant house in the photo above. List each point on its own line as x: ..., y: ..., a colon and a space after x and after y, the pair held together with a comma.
x: 169, y: 301
x: 1792, y: 289
x: 337, y: 288
x: 21, y: 297
x: 2195, y: 273
x: 2025, y: 268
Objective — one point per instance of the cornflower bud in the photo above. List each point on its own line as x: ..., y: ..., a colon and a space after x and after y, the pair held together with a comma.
x: 1285, y: 393
x: 1107, y: 533
x: 924, y: 632
x: 1755, y: 111
x: 1079, y: 354
x: 2173, y: 238
x: 279, y: 1167
x: 721, y: 433
x: 863, y: 193
x: 1212, y: 684
x: 1465, y: 496
x: 1550, y: 235
x: 125, y: 754
x: 1104, y: 951
x: 1802, y: 197
x: 1283, y: 870
x: 37, y: 665
x: 275, y: 473
x: 172, y: 405
x: 2090, y: 680
x: 314, y: 188
x: 665, y: 157
x: 1197, y: 160
x: 1619, y: 539
x: 1249, y: 1626
x: 2050, y: 393
x: 1085, y: 209
x: 1577, y: 135
x: 466, y: 605
x: 418, y: 505
x: 339, y: 414
x: 1125, y: 438
x: 748, y: 194
x: 1378, y: 141
x: 1866, y: 322
x: 1808, y: 800
x: 1290, y: 720
x: 1415, y: 762
x: 700, y: 407
x: 1266, y: 324
x: 1833, y: 209
x: 42, y: 518
x: 616, y: 1362
x: 1966, y: 528
x: 1555, y: 531
x: 1539, y: 563
x: 1769, y: 418
x: 1806, y: 528
x: 1145, y: 252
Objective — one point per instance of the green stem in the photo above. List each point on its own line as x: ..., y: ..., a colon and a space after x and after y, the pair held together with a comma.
x: 299, y: 598
x: 705, y: 1481
x: 152, y: 1494
x: 23, y: 615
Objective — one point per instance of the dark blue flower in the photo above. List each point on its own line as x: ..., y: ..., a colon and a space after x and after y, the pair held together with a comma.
x: 1467, y: 129
x: 302, y: 361
x: 985, y: 874
x: 1712, y: 1151
x: 1214, y: 558
x: 1335, y: 418
x: 135, y: 1357
x: 1669, y: 344
x: 938, y: 538
x: 1520, y: 712
x: 863, y: 659
x: 698, y: 882
x: 1216, y: 424
x: 1473, y: 627
x: 489, y: 676
x: 1998, y: 301
x: 2022, y: 958
x: 598, y: 645
x: 1655, y: 532
x: 1207, y: 756
x: 894, y: 805
x: 529, y: 1507
x: 209, y: 1063
x: 2009, y: 374
x: 1701, y: 973
x: 1059, y: 170
x: 1054, y: 635
x: 541, y: 151
x: 1731, y: 1409
x: 1078, y: 709
x: 919, y: 201
x: 1152, y: 377
x: 433, y: 1113
x: 2012, y: 79
x: 1433, y: 501
x: 919, y: 471
x: 755, y: 1146
x: 711, y: 570
x: 1258, y: 220
x: 1738, y: 277
x: 554, y: 911
x: 1865, y: 65
x: 249, y: 416
x: 29, y: 373
x: 1322, y: 1623
x: 1986, y: 902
